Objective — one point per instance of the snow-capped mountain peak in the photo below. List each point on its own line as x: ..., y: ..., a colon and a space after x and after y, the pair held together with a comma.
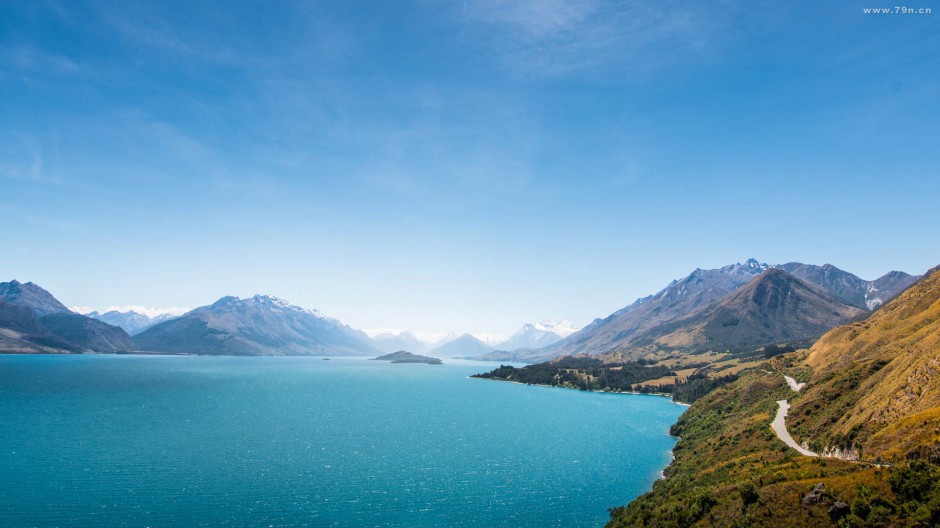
x: 751, y: 266
x: 267, y: 302
x: 132, y: 321
x: 538, y: 335
x: 562, y: 328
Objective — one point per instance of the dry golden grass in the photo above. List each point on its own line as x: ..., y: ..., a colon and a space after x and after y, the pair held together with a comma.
x: 665, y: 380
x: 726, y: 444
x: 897, y: 440
x: 679, y: 359
x: 681, y: 338
x: 875, y: 374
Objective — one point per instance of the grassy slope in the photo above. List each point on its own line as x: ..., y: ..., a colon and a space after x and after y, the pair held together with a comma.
x: 728, y: 453
x: 873, y: 385
x: 876, y: 383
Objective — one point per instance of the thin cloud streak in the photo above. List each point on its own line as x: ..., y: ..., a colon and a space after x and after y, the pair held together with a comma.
x: 556, y: 38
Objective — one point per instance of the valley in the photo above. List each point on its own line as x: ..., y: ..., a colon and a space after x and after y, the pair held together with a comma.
x: 812, y: 402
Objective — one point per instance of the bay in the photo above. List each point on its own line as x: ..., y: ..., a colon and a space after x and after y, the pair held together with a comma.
x: 274, y: 441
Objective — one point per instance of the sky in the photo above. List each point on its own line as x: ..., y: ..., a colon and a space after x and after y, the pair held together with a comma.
x: 466, y: 166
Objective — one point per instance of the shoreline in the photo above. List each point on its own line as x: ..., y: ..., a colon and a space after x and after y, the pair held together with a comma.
x: 672, y: 453
x: 635, y: 393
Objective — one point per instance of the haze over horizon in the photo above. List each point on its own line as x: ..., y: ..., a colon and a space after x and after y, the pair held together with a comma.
x: 436, y: 167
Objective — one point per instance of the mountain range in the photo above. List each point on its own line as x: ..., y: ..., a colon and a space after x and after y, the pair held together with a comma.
x: 851, y: 289
x: 665, y: 320
x: 132, y: 322
x: 261, y: 325
x: 33, y: 321
x: 390, y: 342
x: 717, y: 309
x: 537, y: 335
x: 465, y: 346
x: 529, y: 336
x: 773, y: 307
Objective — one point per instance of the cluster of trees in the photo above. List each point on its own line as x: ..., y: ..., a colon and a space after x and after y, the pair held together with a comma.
x: 783, y: 348
x: 917, y: 487
x: 698, y: 385
x: 776, y: 350
x: 687, y: 391
x: 582, y: 373
x: 588, y: 373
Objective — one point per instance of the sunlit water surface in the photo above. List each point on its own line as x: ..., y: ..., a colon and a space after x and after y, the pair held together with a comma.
x: 226, y: 441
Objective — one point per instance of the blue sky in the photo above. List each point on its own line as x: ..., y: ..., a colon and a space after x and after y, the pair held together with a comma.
x: 458, y: 166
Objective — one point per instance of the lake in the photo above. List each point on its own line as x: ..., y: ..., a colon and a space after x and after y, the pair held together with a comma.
x: 272, y: 441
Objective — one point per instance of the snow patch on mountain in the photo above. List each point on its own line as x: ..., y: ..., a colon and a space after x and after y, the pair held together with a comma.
x: 142, y: 310
x: 563, y: 328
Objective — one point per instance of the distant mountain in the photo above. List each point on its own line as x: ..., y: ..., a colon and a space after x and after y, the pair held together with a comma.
x: 773, y: 307
x: 849, y: 288
x: 86, y: 333
x: 392, y: 342
x: 537, y: 335
x: 563, y: 328
x: 652, y: 317
x: 30, y: 295
x: 21, y: 332
x: 681, y: 299
x: 438, y: 339
x: 257, y: 326
x: 33, y: 321
x: 465, y: 346
x: 20, y: 319
x: 132, y: 322
x: 887, y: 287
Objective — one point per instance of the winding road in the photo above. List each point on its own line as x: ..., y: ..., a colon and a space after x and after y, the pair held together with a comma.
x: 793, y: 384
x: 780, y: 427
x: 779, y: 424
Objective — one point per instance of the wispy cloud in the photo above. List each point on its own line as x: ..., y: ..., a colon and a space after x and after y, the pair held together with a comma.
x: 555, y: 37
x: 535, y: 18
x: 22, y: 159
x: 145, y: 28
x: 29, y: 58
x: 30, y: 171
x: 223, y: 169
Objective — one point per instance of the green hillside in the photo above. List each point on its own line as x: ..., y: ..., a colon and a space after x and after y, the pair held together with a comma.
x: 872, y: 392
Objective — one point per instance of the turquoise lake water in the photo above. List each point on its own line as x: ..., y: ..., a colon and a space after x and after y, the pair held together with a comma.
x: 227, y: 441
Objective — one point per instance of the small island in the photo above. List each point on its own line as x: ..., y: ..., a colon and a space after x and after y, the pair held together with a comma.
x: 407, y: 357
